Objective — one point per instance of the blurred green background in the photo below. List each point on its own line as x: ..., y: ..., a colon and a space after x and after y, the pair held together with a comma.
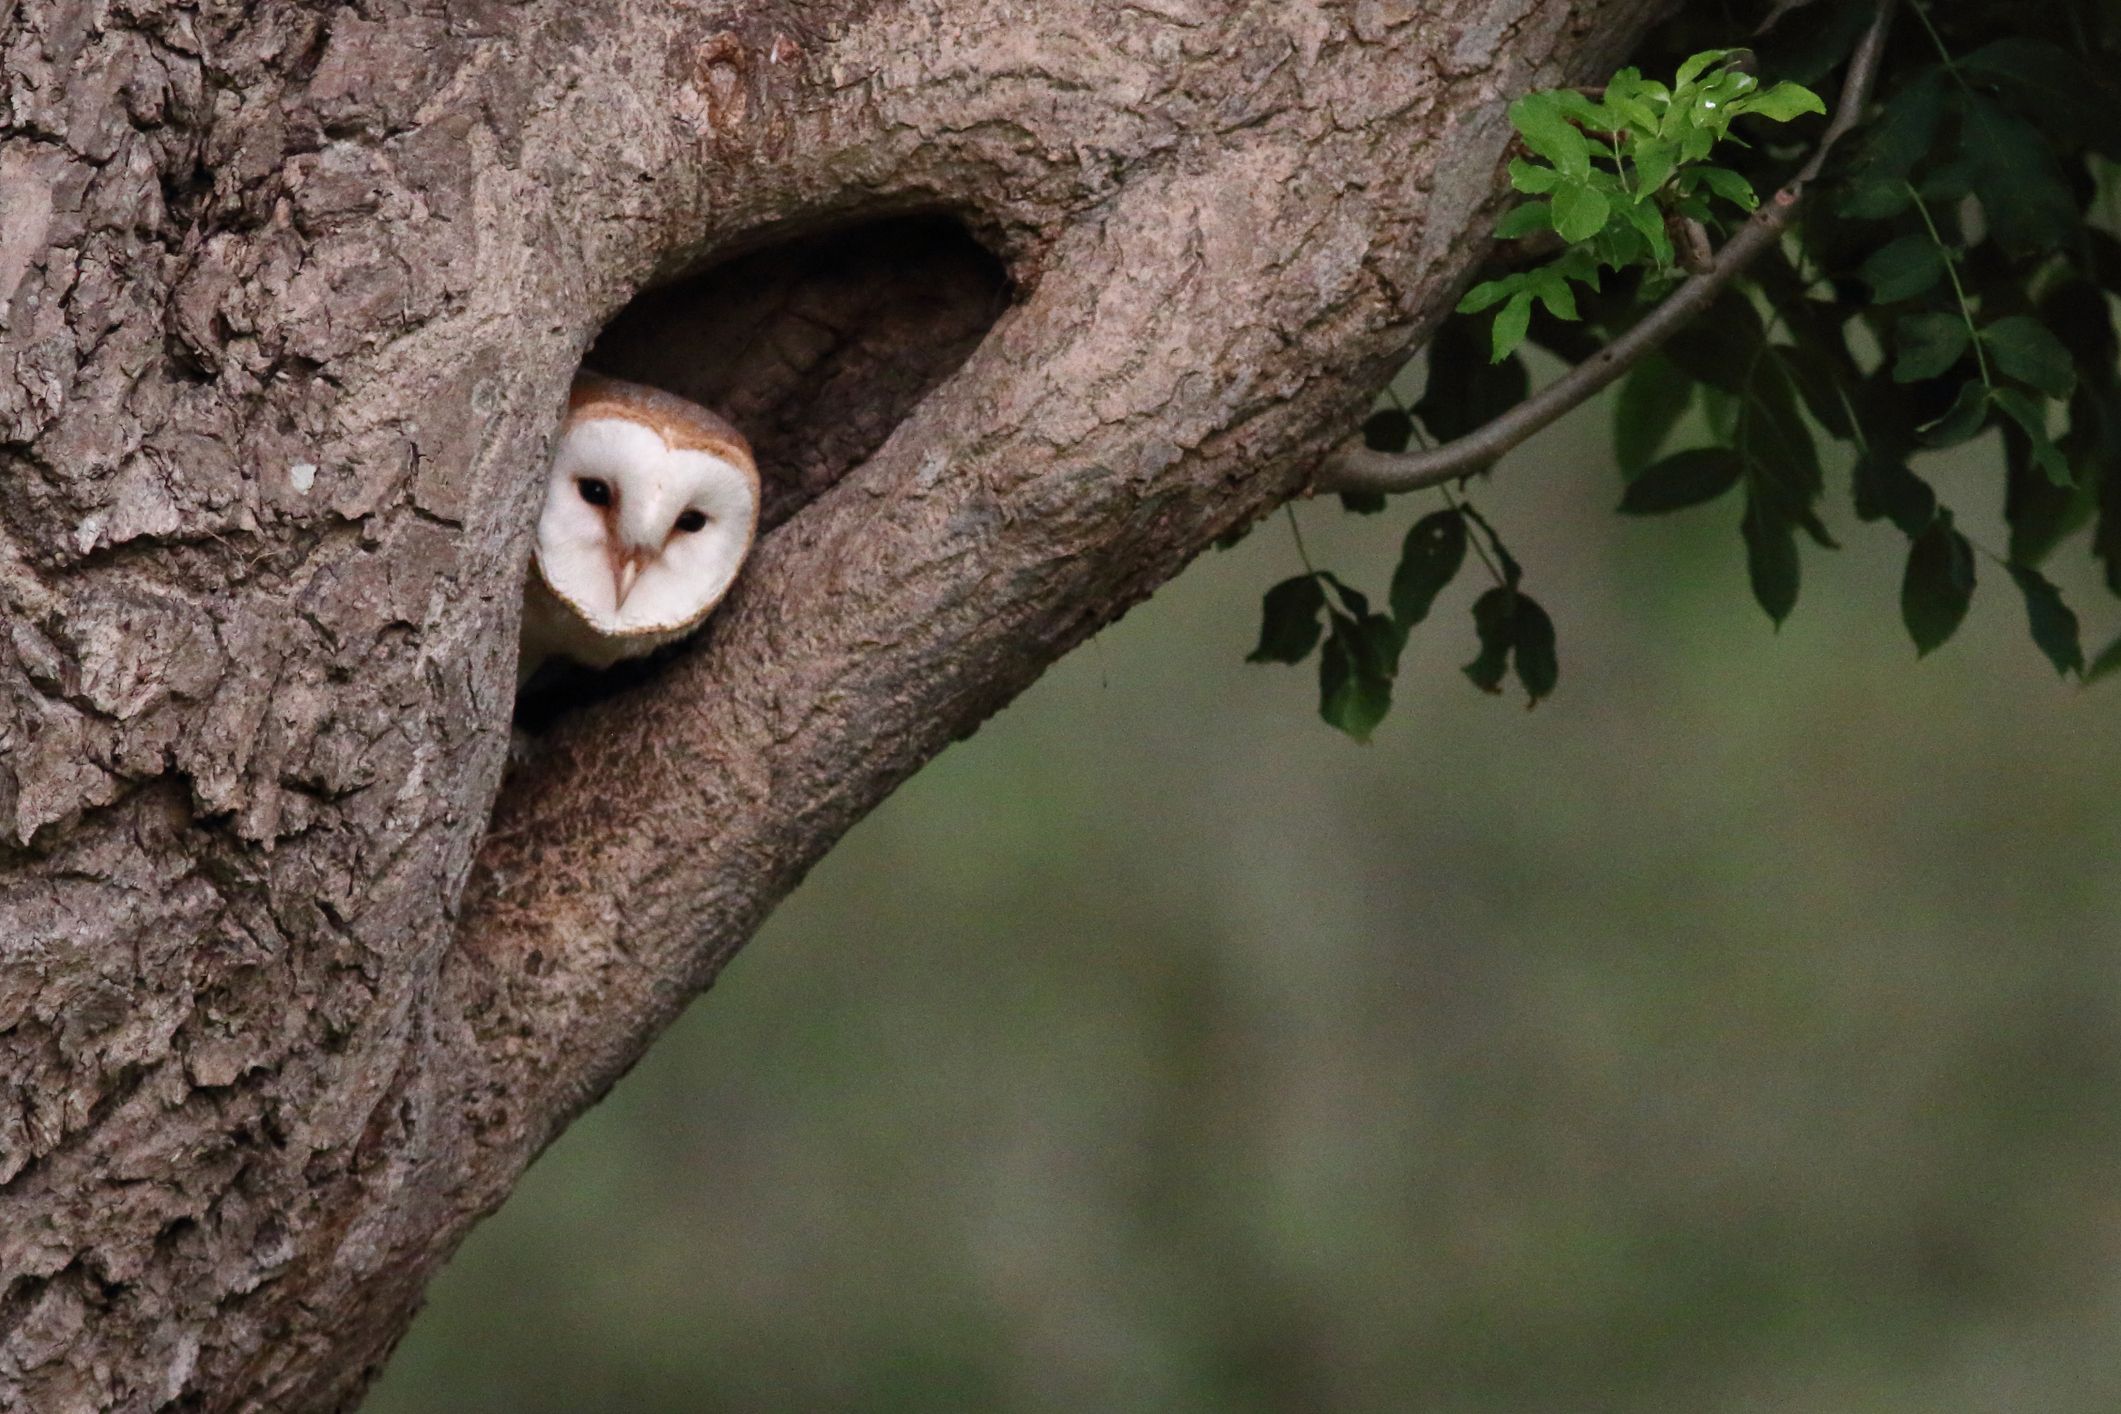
x: 1739, y: 1031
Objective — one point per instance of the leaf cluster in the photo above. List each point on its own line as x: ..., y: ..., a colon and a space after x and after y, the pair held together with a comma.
x: 1613, y: 176
x: 1953, y: 277
x: 1953, y: 284
x: 1359, y: 649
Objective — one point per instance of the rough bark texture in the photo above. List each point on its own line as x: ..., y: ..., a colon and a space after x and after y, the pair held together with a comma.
x: 289, y: 297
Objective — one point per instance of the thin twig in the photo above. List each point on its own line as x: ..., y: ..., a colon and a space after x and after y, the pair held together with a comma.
x: 1356, y: 468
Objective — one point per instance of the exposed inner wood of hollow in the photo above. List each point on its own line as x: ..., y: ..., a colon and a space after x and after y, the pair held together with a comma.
x: 815, y: 349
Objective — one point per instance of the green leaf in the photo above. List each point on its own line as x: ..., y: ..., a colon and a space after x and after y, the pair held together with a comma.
x: 2030, y: 414
x: 1357, y: 604
x: 1532, y: 178
x: 1782, y: 103
x: 1528, y: 219
x: 1820, y: 370
x: 1580, y: 212
x: 1494, y: 614
x: 2038, y: 512
x: 2014, y: 172
x: 1489, y: 292
x: 2053, y: 86
x: 1511, y: 326
x: 1968, y: 415
x: 1362, y: 503
x: 1588, y: 112
x: 1546, y: 130
x: 1653, y: 398
x: 1683, y: 479
x: 1696, y: 65
x: 1289, y: 627
x: 1388, y: 430
x: 2054, y: 627
x: 1355, y: 674
x: 1938, y: 585
x: 1532, y: 638
x: 1727, y: 184
x: 1928, y: 345
x: 1551, y: 284
x: 1719, y: 347
x: 1514, y: 631
x: 1512, y: 572
x: 1771, y: 562
x: 1904, y: 133
x: 1885, y: 487
x: 1777, y: 442
x: 1655, y: 161
x: 2095, y: 440
x: 1647, y: 219
x: 2024, y: 348
x: 1428, y: 560
x: 1904, y: 268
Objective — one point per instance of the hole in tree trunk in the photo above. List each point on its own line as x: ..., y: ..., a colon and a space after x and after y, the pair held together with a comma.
x: 814, y: 348
x: 817, y: 348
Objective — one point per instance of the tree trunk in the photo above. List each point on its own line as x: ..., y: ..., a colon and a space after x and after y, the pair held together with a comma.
x: 296, y: 972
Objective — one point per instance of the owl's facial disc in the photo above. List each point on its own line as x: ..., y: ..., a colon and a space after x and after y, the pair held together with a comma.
x: 638, y: 537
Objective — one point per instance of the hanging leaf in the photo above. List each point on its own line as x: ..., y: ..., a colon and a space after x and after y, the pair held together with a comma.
x: 1532, y: 644
x: 2053, y: 86
x: 1904, y: 133
x: 1928, y: 345
x: 1652, y: 400
x: 2024, y: 195
x: 1464, y: 390
x: 1289, y: 626
x: 1355, y: 673
x: 1510, y: 326
x: 1885, y: 487
x: 1967, y: 416
x: 2030, y: 414
x: 1428, y: 560
x: 1683, y: 479
x: 2038, y: 512
x: 2054, y: 627
x: 1938, y: 585
x: 1493, y: 616
x: 1905, y: 268
x: 2025, y: 350
x: 1389, y: 430
x: 1771, y: 563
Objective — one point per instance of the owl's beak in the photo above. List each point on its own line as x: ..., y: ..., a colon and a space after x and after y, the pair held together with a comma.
x: 626, y: 566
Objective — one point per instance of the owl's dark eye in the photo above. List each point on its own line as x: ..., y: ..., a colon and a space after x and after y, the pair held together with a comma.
x: 690, y: 521
x: 594, y: 491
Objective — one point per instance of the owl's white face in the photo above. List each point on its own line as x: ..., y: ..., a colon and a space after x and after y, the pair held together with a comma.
x: 638, y: 537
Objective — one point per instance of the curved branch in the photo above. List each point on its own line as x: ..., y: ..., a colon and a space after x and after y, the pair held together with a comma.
x: 1356, y: 468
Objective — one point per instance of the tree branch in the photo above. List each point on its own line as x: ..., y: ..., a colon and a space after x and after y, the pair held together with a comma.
x: 1356, y: 468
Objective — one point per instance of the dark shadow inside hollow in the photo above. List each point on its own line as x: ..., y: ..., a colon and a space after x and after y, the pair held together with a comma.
x: 815, y: 348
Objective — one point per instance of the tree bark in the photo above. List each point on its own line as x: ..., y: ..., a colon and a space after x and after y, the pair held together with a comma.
x: 296, y: 972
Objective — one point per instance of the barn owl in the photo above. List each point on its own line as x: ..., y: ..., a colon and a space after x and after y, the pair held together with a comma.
x: 650, y: 507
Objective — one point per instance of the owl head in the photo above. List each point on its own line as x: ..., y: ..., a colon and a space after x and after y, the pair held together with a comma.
x: 651, y: 506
